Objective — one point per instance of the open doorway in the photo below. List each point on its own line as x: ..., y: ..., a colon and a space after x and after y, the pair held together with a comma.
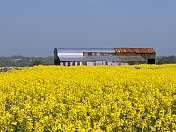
x: 151, y: 61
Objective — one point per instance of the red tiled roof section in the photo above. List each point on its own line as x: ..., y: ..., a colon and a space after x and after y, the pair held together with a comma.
x: 134, y: 50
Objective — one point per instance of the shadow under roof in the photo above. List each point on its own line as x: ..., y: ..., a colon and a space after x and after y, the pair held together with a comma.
x: 90, y: 58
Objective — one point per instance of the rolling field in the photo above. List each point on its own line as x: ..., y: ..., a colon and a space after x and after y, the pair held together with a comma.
x: 80, y: 98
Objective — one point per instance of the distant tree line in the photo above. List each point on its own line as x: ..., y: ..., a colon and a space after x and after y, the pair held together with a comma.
x: 21, y: 61
x: 166, y: 60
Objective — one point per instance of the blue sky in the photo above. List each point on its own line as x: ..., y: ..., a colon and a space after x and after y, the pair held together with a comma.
x: 36, y: 27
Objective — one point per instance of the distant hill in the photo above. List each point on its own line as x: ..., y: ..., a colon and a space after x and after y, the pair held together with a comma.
x: 22, y: 61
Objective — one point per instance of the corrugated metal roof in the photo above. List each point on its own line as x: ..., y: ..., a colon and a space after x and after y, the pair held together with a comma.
x: 134, y: 50
x: 131, y: 58
x: 81, y: 50
x: 90, y: 58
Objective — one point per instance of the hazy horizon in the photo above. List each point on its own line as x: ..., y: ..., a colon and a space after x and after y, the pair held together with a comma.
x: 35, y: 28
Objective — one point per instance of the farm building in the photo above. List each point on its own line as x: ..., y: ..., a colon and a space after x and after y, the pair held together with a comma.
x: 103, y: 56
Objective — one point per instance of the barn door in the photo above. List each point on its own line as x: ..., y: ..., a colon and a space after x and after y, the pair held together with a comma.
x: 151, y: 61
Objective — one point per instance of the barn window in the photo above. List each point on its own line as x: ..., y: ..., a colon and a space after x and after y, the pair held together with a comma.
x: 85, y: 63
x: 89, y: 54
x: 85, y: 54
x: 97, y: 54
x: 73, y: 63
x: 106, y: 63
x: 78, y: 63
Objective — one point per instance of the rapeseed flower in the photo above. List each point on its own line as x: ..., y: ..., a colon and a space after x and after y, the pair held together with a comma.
x: 95, y: 98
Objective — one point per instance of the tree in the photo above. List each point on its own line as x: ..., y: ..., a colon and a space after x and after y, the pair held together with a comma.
x: 37, y: 62
x: 166, y: 60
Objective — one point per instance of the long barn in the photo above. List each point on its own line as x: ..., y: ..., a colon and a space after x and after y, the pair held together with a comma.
x: 103, y: 56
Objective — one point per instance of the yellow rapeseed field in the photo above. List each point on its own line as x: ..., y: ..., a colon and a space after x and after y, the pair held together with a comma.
x: 94, y: 98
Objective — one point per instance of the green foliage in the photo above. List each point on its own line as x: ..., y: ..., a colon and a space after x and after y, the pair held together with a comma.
x: 37, y: 62
x: 21, y: 61
x: 166, y: 60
